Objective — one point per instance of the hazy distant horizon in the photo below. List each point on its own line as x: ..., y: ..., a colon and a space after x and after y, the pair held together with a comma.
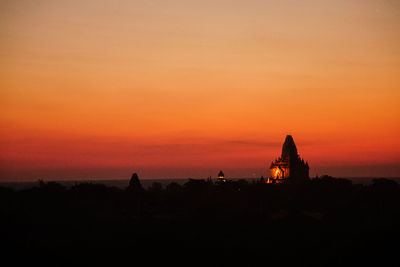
x: 199, y: 173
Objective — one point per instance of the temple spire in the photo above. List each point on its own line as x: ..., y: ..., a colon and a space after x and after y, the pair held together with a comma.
x: 289, y: 149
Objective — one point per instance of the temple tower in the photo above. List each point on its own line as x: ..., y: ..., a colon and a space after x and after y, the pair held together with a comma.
x: 289, y: 166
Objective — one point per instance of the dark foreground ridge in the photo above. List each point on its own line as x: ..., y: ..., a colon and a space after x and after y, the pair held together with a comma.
x: 323, y: 221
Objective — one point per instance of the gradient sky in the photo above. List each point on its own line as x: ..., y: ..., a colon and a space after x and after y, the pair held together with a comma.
x: 101, y: 89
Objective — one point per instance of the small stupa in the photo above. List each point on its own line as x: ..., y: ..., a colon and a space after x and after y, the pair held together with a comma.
x: 221, y: 177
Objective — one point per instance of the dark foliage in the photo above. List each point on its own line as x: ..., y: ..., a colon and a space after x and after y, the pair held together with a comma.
x: 324, y: 221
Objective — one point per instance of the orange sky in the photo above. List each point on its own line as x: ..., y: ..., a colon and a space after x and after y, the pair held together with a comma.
x: 100, y: 89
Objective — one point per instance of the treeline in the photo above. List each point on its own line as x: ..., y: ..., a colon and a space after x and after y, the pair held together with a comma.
x: 319, y: 220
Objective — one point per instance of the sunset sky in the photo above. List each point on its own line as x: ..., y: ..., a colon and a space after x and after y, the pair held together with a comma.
x: 176, y: 89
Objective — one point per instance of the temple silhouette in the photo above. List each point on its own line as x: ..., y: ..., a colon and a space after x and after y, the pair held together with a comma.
x: 289, y: 166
